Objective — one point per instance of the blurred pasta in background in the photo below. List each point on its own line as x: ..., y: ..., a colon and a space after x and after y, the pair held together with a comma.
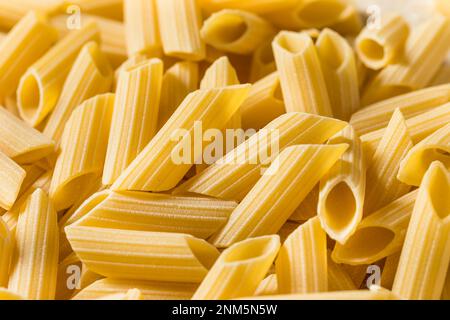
x: 224, y: 149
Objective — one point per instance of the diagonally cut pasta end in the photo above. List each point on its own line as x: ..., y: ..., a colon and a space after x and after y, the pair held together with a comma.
x: 439, y: 189
x: 205, y: 253
x: 252, y: 249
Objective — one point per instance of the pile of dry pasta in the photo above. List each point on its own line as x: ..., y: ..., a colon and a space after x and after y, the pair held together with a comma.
x: 339, y: 187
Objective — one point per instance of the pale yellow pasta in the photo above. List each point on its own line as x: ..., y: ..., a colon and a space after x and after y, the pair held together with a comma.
x: 239, y: 269
x: 90, y: 75
x: 141, y: 25
x: 308, y: 208
x: 256, y: 6
x: 150, y: 290
x: 11, y: 217
x: 10, y: 104
x: 41, y: 85
x: 264, y: 103
x: 156, y: 168
x: 263, y: 62
x: 378, y: 235
x: 301, y: 265
x: 35, y: 264
x: 141, y: 211
x: 236, y: 173
x: 377, y: 116
x: 443, y: 6
x: 220, y: 74
x: 112, y: 34
x: 179, y: 24
x: 340, y: 72
x: 108, y: 8
x: 425, y: 257
x: 443, y: 75
x: 236, y: 31
x: 379, y: 46
x: 135, y: 116
x: 435, y: 147
x: 342, y: 189
x: 375, y: 293
x: 142, y: 255
x: 6, y: 252
x: 20, y: 142
x: 11, y: 179
x: 23, y: 45
x: 382, y: 169
x: 33, y: 173
x: 6, y: 294
x: 12, y: 11
x: 302, y: 80
x: 293, y: 174
x: 131, y: 61
x: 309, y: 14
x: 425, y: 50
x: 419, y: 127
x: 83, y: 150
x: 178, y: 81
x: 389, y: 270
x: 349, y: 22
x: 338, y: 277
x: 268, y: 286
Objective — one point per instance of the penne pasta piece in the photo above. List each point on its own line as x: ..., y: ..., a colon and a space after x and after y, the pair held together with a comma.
x: 135, y: 116
x: 375, y: 293
x: 263, y: 62
x: 141, y: 211
x: 131, y: 61
x: 10, y: 104
x: 268, y: 286
x: 150, y: 290
x: 33, y: 173
x: 281, y: 189
x: 112, y: 34
x: 233, y: 176
x: 178, y: 81
x: 419, y: 127
x: 220, y: 74
x: 20, y: 142
x: 90, y: 75
x: 302, y: 262
x: 41, y: 85
x: 142, y: 255
x: 264, y: 103
x: 6, y: 252
x: 11, y: 177
x: 342, y: 189
x: 22, y: 46
x: 443, y: 75
x: 239, y: 269
x: 340, y: 72
x: 435, y: 147
x: 236, y: 31
x: 302, y: 80
x: 11, y: 217
x: 287, y: 229
x: 349, y: 22
x: 379, y: 235
x: 424, y: 260
x: 255, y: 6
x: 12, y: 11
x: 159, y: 167
x: 309, y: 14
x: 108, y: 8
x: 35, y: 263
x: 384, y: 166
x: 383, y: 45
x: 83, y: 150
x: 443, y: 6
x: 142, y: 29
x: 389, y: 270
x: 308, y: 208
x: 181, y: 39
x: 425, y: 50
x: 338, y: 278
x: 377, y: 116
